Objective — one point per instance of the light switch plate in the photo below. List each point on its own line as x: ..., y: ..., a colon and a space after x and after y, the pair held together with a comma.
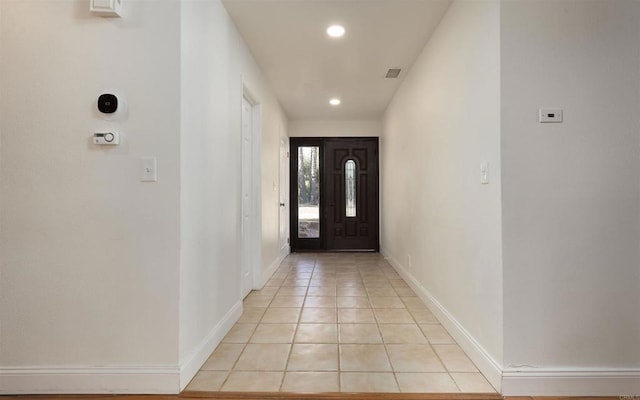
x: 484, y: 173
x: 149, y: 170
x: 546, y: 115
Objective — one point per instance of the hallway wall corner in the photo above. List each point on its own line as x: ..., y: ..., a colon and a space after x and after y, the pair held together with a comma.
x: 486, y: 363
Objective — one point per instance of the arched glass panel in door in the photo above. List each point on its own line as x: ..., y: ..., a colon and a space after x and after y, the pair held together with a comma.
x: 350, y: 188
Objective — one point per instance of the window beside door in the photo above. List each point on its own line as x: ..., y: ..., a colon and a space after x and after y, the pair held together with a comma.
x: 334, y: 194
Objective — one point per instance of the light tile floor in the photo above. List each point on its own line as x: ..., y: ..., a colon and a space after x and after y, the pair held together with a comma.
x: 338, y: 322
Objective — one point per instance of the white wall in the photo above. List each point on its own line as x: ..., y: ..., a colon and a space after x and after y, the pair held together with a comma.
x: 571, y: 197
x: 443, y: 122
x: 331, y: 128
x: 89, y: 254
x: 215, y: 65
x: 274, y: 129
x: 210, y: 182
x: 110, y: 284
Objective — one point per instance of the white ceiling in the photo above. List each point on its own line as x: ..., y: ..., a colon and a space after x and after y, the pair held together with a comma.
x: 306, y: 68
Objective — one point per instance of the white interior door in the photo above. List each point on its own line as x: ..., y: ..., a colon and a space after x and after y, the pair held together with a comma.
x: 284, y: 194
x: 246, y: 228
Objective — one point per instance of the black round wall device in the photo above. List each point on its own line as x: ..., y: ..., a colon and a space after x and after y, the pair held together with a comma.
x: 107, y: 103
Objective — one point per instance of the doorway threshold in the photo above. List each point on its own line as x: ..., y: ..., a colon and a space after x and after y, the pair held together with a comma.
x: 337, y: 395
x: 329, y: 251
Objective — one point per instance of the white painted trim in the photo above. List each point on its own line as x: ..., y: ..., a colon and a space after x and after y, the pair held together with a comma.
x: 190, y: 366
x: 271, y: 269
x: 255, y: 253
x: 90, y: 380
x: 284, y: 195
x: 526, y: 381
x: 571, y: 382
x: 256, y: 141
x: 491, y: 369
x: 116, y: 379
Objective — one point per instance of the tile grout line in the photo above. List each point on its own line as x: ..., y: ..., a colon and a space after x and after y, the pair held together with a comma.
x: 328, y: 277
x: 338, y: 345
x: 386, y: 350
x: 293, y: 339
x: 337, y: 325
x: 269, y: 307
x: 430, y: 344
x: 244, y: 346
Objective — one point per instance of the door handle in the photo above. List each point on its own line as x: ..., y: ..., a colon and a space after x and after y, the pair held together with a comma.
x: 281, y: 204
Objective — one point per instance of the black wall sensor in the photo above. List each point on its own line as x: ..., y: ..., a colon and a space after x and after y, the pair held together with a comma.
x: 107, y: 103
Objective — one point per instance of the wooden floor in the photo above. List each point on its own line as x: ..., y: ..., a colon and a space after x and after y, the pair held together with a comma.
x: 268, y: 396
x: 338, y: 396
x: 303, y: 396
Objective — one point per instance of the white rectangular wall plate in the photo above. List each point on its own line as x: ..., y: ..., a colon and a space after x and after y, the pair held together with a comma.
x: 149, y: 170
x: 106, y: 8
x: 546, y: 115
x: 108, y: 138
x: 484, y: 172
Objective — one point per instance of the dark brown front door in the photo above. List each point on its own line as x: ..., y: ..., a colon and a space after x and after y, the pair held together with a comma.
x: 334, y: 194
x: 351, y: 174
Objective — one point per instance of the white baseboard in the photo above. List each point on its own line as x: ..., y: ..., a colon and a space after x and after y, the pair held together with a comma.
x: 578, y: 382
x: 190, y: 366
x: 271, y: 269
x: 90, y: 380
x: 116, y: 379
x: 489, y: 367
x: 526, y: 381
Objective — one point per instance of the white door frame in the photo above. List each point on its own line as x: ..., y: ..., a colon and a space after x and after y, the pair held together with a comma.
x: 251, y: 243
x: 285, y: 248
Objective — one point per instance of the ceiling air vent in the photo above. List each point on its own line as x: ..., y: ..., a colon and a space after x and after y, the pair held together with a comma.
x: 393, y: 73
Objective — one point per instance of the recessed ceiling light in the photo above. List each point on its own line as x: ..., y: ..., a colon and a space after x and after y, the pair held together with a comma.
x: 335, y: 31
x: 334, y: 102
